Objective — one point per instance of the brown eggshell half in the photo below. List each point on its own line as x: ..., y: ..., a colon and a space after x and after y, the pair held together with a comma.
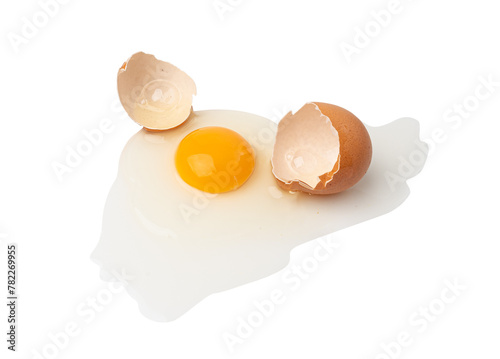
x: 355, y: 152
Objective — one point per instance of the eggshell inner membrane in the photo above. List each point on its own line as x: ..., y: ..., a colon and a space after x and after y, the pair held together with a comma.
x: 155, y: 94
x: 307, y: 148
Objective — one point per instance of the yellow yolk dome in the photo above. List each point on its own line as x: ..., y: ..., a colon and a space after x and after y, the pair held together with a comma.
x: 214, y: 159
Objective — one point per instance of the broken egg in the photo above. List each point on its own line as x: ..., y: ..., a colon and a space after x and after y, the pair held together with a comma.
x: 179, y: 244
x: 155, y: 94
x: 214, y: 159
x: 197, y: 209
x: 321, y: 149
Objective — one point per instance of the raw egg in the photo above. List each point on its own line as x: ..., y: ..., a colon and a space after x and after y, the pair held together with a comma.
x: 216, y: 202
x: 179, y: 244
x: 214, y: 159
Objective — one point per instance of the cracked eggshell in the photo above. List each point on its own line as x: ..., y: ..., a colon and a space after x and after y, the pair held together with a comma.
x: 321, y: 149
x: 154, y: 93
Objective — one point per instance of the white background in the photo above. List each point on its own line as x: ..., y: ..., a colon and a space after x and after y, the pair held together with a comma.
x: 263, y: 57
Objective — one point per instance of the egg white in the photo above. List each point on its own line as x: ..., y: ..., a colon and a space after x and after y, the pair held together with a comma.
x: 180, y: 244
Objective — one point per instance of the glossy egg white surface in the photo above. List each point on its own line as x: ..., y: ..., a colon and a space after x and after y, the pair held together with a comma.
x: 178, y: 244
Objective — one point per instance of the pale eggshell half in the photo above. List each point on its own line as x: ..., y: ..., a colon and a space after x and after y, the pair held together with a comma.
x: 155, y: 94
x: 307, y: 147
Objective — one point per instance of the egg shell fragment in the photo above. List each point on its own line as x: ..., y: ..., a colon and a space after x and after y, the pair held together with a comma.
x: 154, y: 93
x: 352, y: 142
x: 306, y: 148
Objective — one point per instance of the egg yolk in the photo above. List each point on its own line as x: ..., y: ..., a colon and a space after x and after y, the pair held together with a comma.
x: 214, y: 159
